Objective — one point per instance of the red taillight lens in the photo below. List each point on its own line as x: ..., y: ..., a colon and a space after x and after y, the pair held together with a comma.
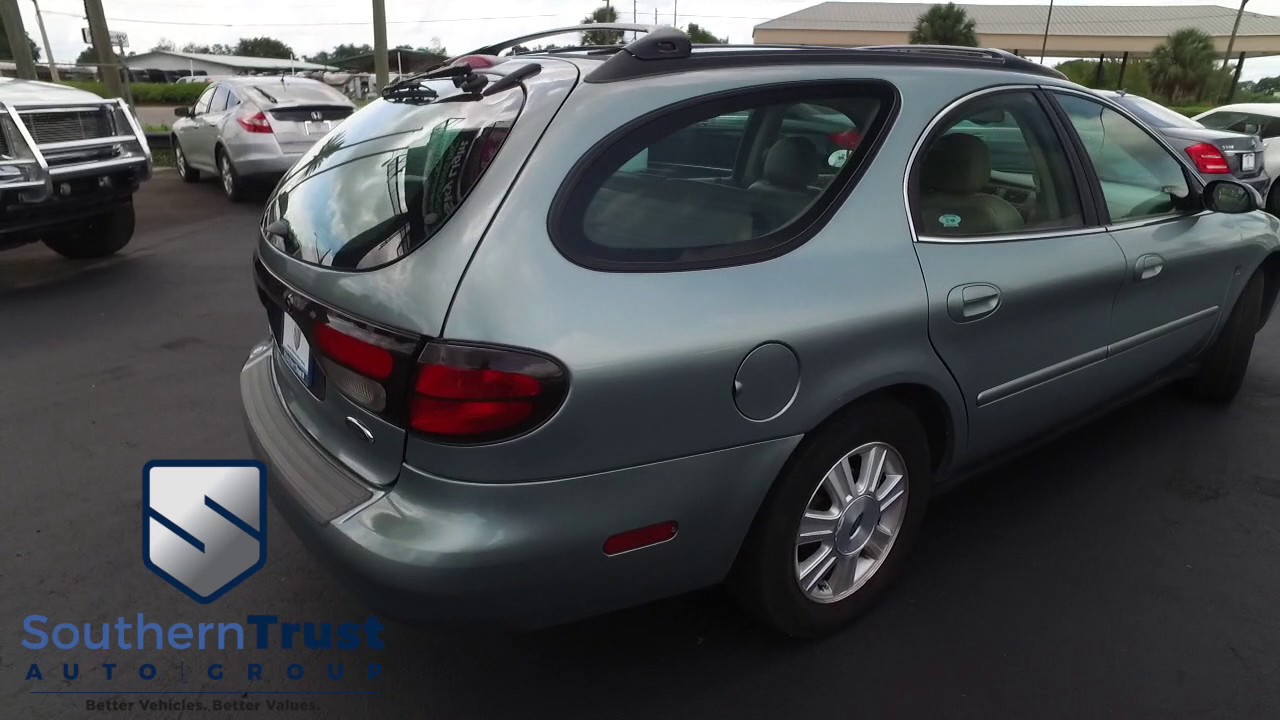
x: 256, y: 123
x: 1209, y: 159
x: 847, y: 140
x: 473, y: 394
x: 353, y: 353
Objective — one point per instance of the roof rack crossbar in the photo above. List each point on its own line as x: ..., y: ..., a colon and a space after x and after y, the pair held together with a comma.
x: 590, y: 27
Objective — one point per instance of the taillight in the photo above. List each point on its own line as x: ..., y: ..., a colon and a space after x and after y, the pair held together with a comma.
x: 1209, y: 159
x: 476, y: 394
x: 354, y: 353
x: 256, y: 123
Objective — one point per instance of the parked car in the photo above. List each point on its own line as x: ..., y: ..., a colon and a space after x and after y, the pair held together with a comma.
x: 249, y: 130
x: 555, y: 334
x: 1214, y: 151
x: 1261, y: 119
x: 70, y: 162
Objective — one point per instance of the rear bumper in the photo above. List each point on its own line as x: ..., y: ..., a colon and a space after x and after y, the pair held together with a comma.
x: 265, y: 163
x: 431, y: 549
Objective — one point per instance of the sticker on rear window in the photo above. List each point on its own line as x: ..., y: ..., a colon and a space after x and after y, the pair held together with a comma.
x: 949, y: 221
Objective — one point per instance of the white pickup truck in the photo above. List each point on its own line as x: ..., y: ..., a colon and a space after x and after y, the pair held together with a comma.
x: 70, y: 162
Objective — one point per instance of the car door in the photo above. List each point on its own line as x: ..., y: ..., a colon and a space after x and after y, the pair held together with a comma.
x: 1179, y: 258
x: 206, y: 133
x: 1020, y: 273
x: 189, y: 131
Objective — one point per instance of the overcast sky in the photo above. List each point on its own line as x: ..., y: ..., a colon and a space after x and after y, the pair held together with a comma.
x: 312, y: 25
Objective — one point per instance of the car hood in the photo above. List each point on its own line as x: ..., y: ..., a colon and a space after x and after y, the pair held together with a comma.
x: 14, y: 90
x: 1224, y: 139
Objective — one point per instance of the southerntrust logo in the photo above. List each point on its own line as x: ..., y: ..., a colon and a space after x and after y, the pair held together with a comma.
x: 204, y: 523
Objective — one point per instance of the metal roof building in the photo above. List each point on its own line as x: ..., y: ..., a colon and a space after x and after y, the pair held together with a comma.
x: 1075, y: 30
x: 215, y: 64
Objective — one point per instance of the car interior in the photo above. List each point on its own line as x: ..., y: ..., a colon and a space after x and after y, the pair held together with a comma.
x: 727, y: 179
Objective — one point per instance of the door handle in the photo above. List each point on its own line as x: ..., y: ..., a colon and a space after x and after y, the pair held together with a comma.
x: 1147, y: 267
x: 974, y: 301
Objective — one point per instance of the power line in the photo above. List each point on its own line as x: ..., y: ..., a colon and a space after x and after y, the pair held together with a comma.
x: 298, y: 24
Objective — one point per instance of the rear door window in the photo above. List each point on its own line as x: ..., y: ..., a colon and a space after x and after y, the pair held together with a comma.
x: 996, y: 166
x: 722, y: 181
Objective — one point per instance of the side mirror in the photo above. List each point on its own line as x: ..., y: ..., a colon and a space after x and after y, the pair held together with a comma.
x: 1229, y: 196
x: 182, y: 112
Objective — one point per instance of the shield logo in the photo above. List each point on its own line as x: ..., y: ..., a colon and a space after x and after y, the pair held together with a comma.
x: 204, y: 523
x: 297, y: 337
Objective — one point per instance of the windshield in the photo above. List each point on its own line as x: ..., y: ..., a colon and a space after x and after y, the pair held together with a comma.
x: 1155, y: 114
x: 387, y: 180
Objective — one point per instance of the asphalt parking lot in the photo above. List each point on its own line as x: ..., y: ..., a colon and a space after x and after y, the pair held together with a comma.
x: 1128, y: 570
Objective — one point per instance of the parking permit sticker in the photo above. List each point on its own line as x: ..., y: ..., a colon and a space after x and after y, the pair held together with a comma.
x: 950, y: 221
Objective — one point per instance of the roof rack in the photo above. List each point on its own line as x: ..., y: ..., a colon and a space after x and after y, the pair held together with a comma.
x: 592, y: 27
x: 663, y: 50
x: 636, y: 58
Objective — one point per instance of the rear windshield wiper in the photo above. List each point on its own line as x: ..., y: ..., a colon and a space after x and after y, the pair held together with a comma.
x: 410, y: 88
x: 265, y: 94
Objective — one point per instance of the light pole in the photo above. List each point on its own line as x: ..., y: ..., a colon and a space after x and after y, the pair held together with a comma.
x: 44, y: 36
x: 1234, y: 29
x: 1045, y: 43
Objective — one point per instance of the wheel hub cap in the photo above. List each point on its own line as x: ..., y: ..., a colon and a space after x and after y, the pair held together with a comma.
x: 857, y: 523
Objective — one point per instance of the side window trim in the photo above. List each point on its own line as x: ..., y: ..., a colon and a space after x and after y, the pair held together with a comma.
x: 1089, y: 203
x: 1194, y: 182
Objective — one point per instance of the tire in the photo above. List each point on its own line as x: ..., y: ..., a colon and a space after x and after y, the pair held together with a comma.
x: 1227, y: 359
x: 185, y: 171
x: 233, y: 184
x: 767, y: 577
x: 1273, y: 200
x: 96, y: 237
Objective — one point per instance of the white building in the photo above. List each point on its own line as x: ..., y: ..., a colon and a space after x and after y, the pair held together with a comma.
x: 193, y: 63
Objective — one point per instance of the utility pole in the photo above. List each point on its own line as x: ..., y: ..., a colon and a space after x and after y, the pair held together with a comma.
x: 1045, y: 43
x: 633, y: 12
x: 12, y: 19
x: 44, y: 37
x: 1234, y: 29
x: 108, y: 66
x: 380, y: 64
x: 675, y: 14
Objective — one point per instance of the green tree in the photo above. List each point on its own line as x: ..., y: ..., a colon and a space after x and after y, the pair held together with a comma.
x: 339, y: 52
x: 87, y: 56
x: 703, y: 36
x: 6, y: 53
x: 263, y: 47
x: 1181, y: 65
x: 215, y: 49
x: 164, y: 44
x: 1265, y: 86
x: 602, y: 14
x: 1085, y: 72
x: 945, y: 25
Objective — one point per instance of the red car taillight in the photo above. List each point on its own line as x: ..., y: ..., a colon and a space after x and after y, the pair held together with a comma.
x: 354, y: 353
x: 256, y: 123
x: 1209, y: 159
x: 476, y: 394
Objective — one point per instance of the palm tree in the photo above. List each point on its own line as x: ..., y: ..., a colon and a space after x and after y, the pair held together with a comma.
x: 602, y: 14
x: 945, y: 25
x: 1180, y: 66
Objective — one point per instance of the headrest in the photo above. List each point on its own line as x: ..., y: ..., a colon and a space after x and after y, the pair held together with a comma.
x: 792, y: 162
x: 957, y: 163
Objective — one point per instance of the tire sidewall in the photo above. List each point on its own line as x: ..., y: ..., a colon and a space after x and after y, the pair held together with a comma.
x: 235, y: 192
x: 769, y: 557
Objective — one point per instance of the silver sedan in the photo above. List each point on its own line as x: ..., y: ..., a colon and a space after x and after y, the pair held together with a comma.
x: 249, y: 129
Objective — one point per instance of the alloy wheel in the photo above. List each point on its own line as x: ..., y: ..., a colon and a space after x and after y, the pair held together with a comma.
x: 850, y: 523
x: 228, y: 178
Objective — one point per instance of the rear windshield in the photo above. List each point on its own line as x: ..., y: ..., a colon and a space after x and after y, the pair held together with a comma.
x: 1155, y: 114
x: 295, y: 92
x: 386, y: 180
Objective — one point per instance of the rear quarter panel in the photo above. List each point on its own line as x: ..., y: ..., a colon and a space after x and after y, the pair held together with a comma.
x: 653, y: 356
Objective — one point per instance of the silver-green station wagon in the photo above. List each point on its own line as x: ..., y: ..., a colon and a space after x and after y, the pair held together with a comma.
x: 561, y: 332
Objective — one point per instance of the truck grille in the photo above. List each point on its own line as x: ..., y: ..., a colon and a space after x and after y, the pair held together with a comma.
x: 53, y: 127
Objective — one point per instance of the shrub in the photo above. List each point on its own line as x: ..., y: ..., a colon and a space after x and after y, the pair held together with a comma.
x: 174, y: 94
